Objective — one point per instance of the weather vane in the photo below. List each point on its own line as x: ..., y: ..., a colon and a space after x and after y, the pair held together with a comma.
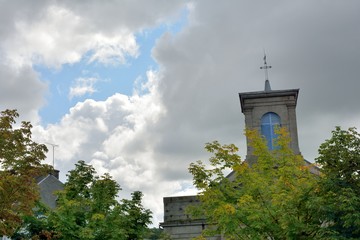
x: 265, y: 67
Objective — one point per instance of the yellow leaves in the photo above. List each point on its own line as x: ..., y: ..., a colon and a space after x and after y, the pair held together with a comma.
x: 224, y: 210
x: 283, y: 138
x: 268, y: 195
x: 98, y: 217
x: 229, y: 209
x: 245, y: 200
x: 304, y: 168
x: 288, y: 184
x: 256, y: 142
x: 199, y: 238
x: 224, y: 158
x: 241, y: 168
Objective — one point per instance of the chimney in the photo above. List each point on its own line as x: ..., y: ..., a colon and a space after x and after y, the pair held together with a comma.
x: 55, y: 173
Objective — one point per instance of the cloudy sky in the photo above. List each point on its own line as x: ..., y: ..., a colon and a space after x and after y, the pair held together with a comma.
x: 137, y: 87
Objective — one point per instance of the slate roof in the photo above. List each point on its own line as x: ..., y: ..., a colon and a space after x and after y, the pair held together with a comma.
x: 48, y: 186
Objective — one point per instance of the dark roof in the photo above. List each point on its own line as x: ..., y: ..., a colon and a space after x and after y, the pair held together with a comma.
x: 48, y: 185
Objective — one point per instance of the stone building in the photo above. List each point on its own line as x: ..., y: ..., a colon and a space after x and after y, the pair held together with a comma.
x: 263, y: 110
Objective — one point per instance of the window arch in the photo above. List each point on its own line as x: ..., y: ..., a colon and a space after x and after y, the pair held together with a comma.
x: 269, y: 122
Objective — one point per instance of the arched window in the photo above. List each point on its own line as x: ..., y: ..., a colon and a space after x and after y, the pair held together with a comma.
x: 269, y: 122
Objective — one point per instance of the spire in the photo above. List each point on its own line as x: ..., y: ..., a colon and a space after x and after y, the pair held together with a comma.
x: 266, y: 67
x: 267, y: 86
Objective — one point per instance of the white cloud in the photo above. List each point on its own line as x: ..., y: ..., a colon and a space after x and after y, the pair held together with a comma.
x: 112, y: 135
x: 113, y: 50
x: 62, y: 36
x: 82, y: 86
x: 53, y: 33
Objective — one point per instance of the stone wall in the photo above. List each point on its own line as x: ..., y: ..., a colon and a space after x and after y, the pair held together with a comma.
x: 177, y: 223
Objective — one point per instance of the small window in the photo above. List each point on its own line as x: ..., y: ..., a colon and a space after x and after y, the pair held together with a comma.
x: 269, y: 122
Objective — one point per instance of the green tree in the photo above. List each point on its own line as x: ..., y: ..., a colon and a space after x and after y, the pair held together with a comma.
x: 88, y: 208
x: 136, y: 216
x: 339, y: 195
x: 20, y: 162
x: 36, y: 226
x: 156, y: 234
x: 272, y: 199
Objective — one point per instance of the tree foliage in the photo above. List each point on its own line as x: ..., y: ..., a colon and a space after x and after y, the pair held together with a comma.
x: 88, y: 208
x: 156, y: 234
x: 36, y: 226
x: 339, y: 195
x: 272, y: 199
x: 20, y: 163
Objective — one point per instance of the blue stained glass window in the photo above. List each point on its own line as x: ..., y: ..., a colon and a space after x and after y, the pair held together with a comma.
x: 269, y: 122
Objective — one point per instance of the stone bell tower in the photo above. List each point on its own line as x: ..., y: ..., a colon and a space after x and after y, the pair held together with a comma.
x: 268, y: 109
x: 263, y: 110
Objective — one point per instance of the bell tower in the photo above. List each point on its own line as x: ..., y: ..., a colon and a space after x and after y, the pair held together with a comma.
x: 265, y: 110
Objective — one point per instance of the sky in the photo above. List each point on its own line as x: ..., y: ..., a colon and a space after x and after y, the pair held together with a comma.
x: 136, y: 88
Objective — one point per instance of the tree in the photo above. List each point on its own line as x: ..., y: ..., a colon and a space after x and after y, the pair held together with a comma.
x: 136, y: 216
x: 156, y: 234
x: 339, y: 195
x: 36, y: 226
x: 272, y: 199
x: 88, y: 208
x: 20, y: 163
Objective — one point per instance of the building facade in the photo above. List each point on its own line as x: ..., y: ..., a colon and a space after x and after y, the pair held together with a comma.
x: 265, y: 111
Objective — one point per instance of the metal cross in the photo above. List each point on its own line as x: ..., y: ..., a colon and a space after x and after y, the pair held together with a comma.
x: 265, y: 67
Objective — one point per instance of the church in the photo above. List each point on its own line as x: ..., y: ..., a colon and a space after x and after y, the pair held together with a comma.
x: 263, y: 110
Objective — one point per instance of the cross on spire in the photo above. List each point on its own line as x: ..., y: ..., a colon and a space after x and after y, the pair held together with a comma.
x: 266, y: 67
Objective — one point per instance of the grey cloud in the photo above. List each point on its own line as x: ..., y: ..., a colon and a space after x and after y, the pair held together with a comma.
x: 126, y: 14
x: 25, y: 96
x: 313, y: 47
